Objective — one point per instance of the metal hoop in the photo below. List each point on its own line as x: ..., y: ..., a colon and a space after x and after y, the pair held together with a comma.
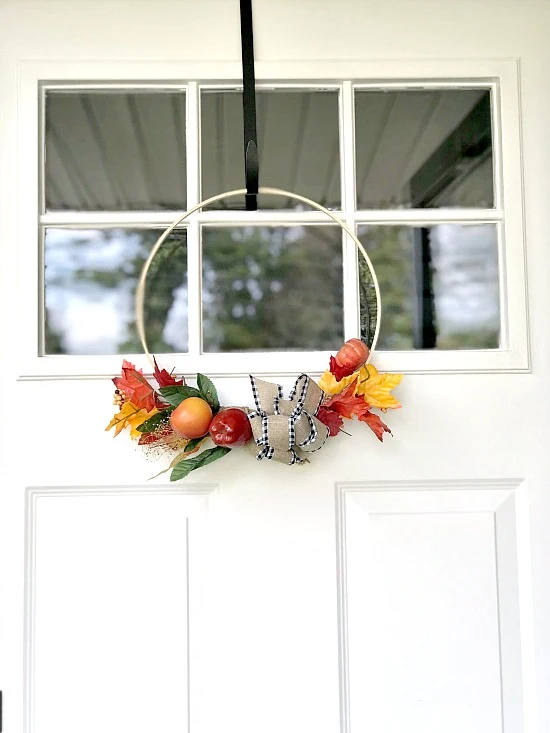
x: 140, y: 289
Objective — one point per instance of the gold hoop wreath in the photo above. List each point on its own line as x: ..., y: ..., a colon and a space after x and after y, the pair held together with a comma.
x: 177, y: 419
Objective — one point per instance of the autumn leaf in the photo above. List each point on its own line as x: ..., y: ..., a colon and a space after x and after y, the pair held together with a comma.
x: 339, y: 372
x: 130, y: 415
x: 164, y: 379
x: 375, y: 424
x: 331, y: 419
x: 135, y: 422
x: 376, y: 387
x: 355, y: 395
x: 373, y: 385
x: 330, y: 385
x: 135, y: 387
x: 346, y: 403
x: 120, y: 420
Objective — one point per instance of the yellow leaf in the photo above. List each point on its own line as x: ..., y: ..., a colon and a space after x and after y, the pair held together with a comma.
x: 138, y: 419
x: 376, y: 387
x: 329, y: 384
x: 130, y: 415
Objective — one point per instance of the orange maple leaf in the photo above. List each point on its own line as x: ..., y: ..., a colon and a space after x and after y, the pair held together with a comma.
x: 346, y: 403
x: 375, y: 424
x: 135, y: 387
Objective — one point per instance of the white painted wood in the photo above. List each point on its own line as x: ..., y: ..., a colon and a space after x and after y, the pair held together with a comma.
x: 236, y: 217
x: 281, y: 620
x: 279, y: 364
x: 109, y: 581
x: 430, y: 607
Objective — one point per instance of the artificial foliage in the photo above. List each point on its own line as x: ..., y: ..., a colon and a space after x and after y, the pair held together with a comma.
x: 169, y: 417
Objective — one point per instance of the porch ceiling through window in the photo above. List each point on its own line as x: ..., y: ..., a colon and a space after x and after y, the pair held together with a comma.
x: 125, y: 150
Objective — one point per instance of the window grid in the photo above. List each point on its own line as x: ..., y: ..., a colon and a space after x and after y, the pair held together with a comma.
x: 349, y: 213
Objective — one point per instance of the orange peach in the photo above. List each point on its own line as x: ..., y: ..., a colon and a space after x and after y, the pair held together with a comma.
x: 191, y: 418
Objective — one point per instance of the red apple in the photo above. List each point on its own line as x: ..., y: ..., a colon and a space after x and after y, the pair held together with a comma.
x: 230, y: 428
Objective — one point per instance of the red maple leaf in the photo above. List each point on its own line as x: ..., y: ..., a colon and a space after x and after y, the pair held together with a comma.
x: 347, y: 404
x: 165, y: 379
x: 331, y: 419
x: 339, y: 371
x: 375, y: 424
x: 136, y: 388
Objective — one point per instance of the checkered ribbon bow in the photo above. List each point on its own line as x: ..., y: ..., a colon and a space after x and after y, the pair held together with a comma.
x: 283, y: 430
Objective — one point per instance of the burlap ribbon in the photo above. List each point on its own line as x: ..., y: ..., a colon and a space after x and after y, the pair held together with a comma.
x: 283, y: 430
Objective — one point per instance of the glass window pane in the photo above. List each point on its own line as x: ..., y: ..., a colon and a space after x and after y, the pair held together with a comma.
x: 425, y: 148
x: 298, y: 145
x: 114, y: 151
x: 272, y: 288
x: 90, y: 281
x: 439, y: 286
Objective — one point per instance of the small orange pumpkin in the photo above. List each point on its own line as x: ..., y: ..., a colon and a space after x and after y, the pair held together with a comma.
x: 353, y: 354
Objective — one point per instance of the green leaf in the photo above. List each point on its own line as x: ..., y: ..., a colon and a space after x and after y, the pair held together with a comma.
x: 208, y: 392
x: 184, y: 468
x: 152, y: 423
x: 174, y: 395
x: 193, y: 444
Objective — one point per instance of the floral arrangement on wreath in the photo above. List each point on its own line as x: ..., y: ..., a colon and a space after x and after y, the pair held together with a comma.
x: 178, y: 419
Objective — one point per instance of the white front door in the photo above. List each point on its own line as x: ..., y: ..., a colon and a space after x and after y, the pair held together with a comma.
x: 384, y: 588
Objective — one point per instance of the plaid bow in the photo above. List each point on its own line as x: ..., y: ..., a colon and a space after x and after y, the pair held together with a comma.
x: 285, y: 429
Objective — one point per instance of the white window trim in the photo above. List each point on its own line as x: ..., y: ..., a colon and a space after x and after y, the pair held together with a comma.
x: 502, y: 75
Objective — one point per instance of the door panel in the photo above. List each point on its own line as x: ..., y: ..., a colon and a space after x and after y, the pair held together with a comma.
x: 108, y: 577
x: 430, y: 593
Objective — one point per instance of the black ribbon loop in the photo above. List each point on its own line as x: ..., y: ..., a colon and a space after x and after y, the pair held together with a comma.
x: 251, y: 161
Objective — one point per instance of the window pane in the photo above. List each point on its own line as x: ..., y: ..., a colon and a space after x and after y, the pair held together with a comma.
x: 298, y: 145
x: 90, y: 282
x: 439, y: 286
x: 113, y: 151
x: 272, y: 288
x: 423, y: 148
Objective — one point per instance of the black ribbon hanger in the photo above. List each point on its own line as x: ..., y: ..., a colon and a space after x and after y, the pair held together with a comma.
x: 251, y: 162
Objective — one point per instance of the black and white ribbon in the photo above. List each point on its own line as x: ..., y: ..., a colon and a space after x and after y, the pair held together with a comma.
x: 284, y: 429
